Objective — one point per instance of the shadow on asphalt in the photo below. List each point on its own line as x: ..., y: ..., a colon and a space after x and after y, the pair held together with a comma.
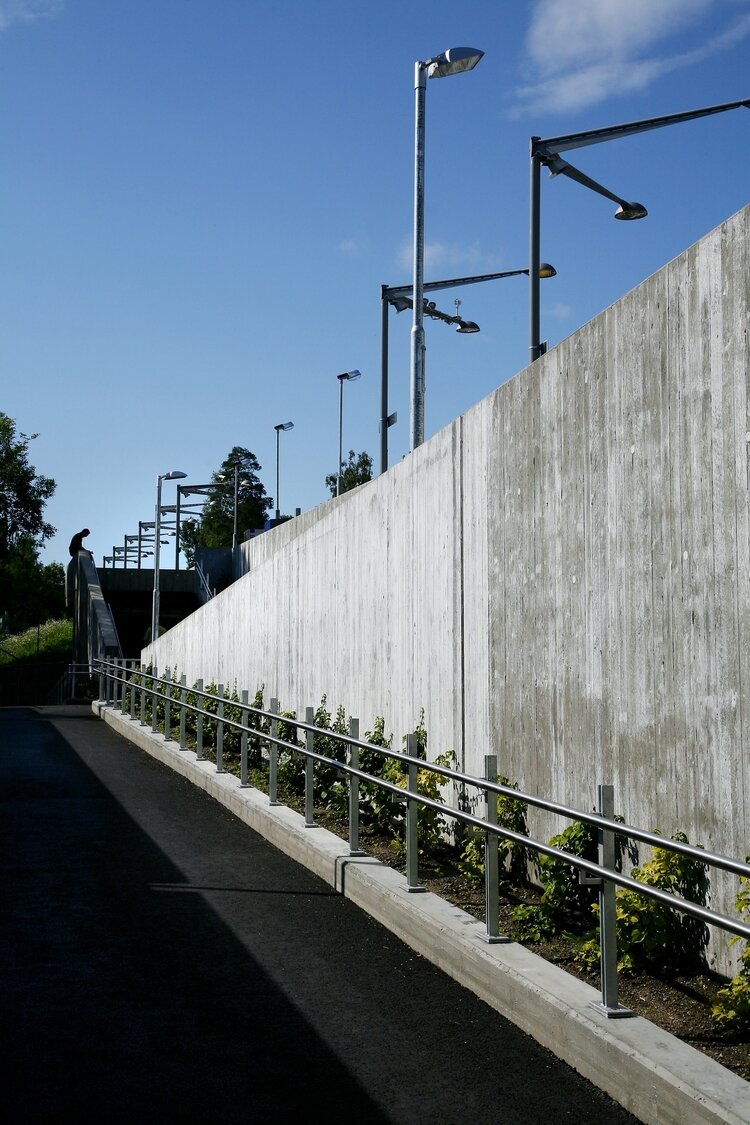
x: 126, y: 1001
x: 163, y: 963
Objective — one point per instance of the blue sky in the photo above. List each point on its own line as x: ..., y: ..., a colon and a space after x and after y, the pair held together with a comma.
x: 200, y: 201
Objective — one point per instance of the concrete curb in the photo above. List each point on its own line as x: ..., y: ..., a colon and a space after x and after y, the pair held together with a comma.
x: 659, y: 1079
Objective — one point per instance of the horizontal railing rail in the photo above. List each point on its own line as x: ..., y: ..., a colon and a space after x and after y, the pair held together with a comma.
x: 116, y: 677
x: 65, y: 687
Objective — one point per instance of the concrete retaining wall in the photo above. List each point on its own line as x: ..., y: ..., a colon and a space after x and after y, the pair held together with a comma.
x: 560, y: 576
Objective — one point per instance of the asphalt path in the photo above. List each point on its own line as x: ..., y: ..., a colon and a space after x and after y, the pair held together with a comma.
x: 161, y: 962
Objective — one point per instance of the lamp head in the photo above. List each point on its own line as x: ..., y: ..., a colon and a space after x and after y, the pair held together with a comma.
x: 401, y: 304
x: 350, y: 375
x: 175, y: 474
x: 631, y: 211
x: 453, y: 61
x: 467, y: 326
x: 284, y: 426
x: 546, y: 270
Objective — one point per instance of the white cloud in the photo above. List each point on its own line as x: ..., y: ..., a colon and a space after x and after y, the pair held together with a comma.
x: 581, y: 31
x: 348, y: 246
x: 595, y: 51
x: 440, y: 256
x: 25, y: 11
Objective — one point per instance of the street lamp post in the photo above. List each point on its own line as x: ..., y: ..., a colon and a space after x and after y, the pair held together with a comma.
x: 400, y: 297
x: 240, y: 465
x: 547, y: 151
x: 346, y: 377
x: 281, y: 426
x: 187, y: 490
x: 175, y: 474
x: 453, y: 61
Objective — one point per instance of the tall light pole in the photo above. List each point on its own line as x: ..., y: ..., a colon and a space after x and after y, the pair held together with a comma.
x: 175, y: 474
x: 346, y: 377
x: 400, y: 297
x: 204, y: 490
x: 453, y: 61
x: 239, y: 466
x: 547, y: 151
x: 281, y: 426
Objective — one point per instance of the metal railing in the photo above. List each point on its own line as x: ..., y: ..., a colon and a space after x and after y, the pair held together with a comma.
x: 206, y: 590
x: 74, y: 676
x: 119, y: 679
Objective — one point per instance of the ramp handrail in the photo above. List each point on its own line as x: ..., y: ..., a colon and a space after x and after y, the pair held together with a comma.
x: 118, y: 676
x: 65, y: 686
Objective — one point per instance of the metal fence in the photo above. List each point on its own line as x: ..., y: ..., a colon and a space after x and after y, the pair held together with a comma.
x: 122, y: 680
x: 76, y: 682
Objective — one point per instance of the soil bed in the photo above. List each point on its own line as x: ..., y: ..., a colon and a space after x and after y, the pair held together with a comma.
x: 679, y: 1005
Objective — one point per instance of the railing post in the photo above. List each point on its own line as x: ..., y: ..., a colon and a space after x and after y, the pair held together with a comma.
x: 244, y: 718
x: 168, y: 706
x: 199, y: 722
x: 154, y: 696
x: 273, y: 756
x: 143, y: 695
x: 491, y: 862
x: 309, y: 771
x: 412, y: 813
x: 354, y: 848
x: 101, y: 681
x: 220, y: 730
x: 183, y: 701
x: 608, y: 911
x: 133, y: 674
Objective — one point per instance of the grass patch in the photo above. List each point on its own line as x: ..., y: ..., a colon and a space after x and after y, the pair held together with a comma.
x: 53, y: 639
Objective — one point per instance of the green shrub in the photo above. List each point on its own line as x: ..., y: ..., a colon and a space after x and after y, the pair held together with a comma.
x: 651, y: 935
x: 377, y: 807
x: 514, y: 857
x: 731, y: 1012
x: 430, y: 823
x: 565, y: 904
x: 255, y: 745
x: 291, y: 766
x: 50, y: 640
x: 331, y: 785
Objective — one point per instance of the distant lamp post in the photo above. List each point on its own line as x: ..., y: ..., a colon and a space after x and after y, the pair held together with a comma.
x: 204, y: 490
x: 400, y: 297
x: 175, y: 474
x: 239, y: 467
x: 453, y: 61
x: 281, y: 426
x: 346, y: 377
x: 547, y: 151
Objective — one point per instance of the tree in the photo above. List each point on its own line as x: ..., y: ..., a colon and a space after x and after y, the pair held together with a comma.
x: 357, y: 470
x: 23, y: 493
x: 30, y: 593
x: 215, y: 526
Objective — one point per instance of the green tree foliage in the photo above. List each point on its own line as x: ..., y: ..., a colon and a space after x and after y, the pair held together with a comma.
x: 30, y: 593
x: 23, y: 492
x: 357, y: 470
x: 215, y: 525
